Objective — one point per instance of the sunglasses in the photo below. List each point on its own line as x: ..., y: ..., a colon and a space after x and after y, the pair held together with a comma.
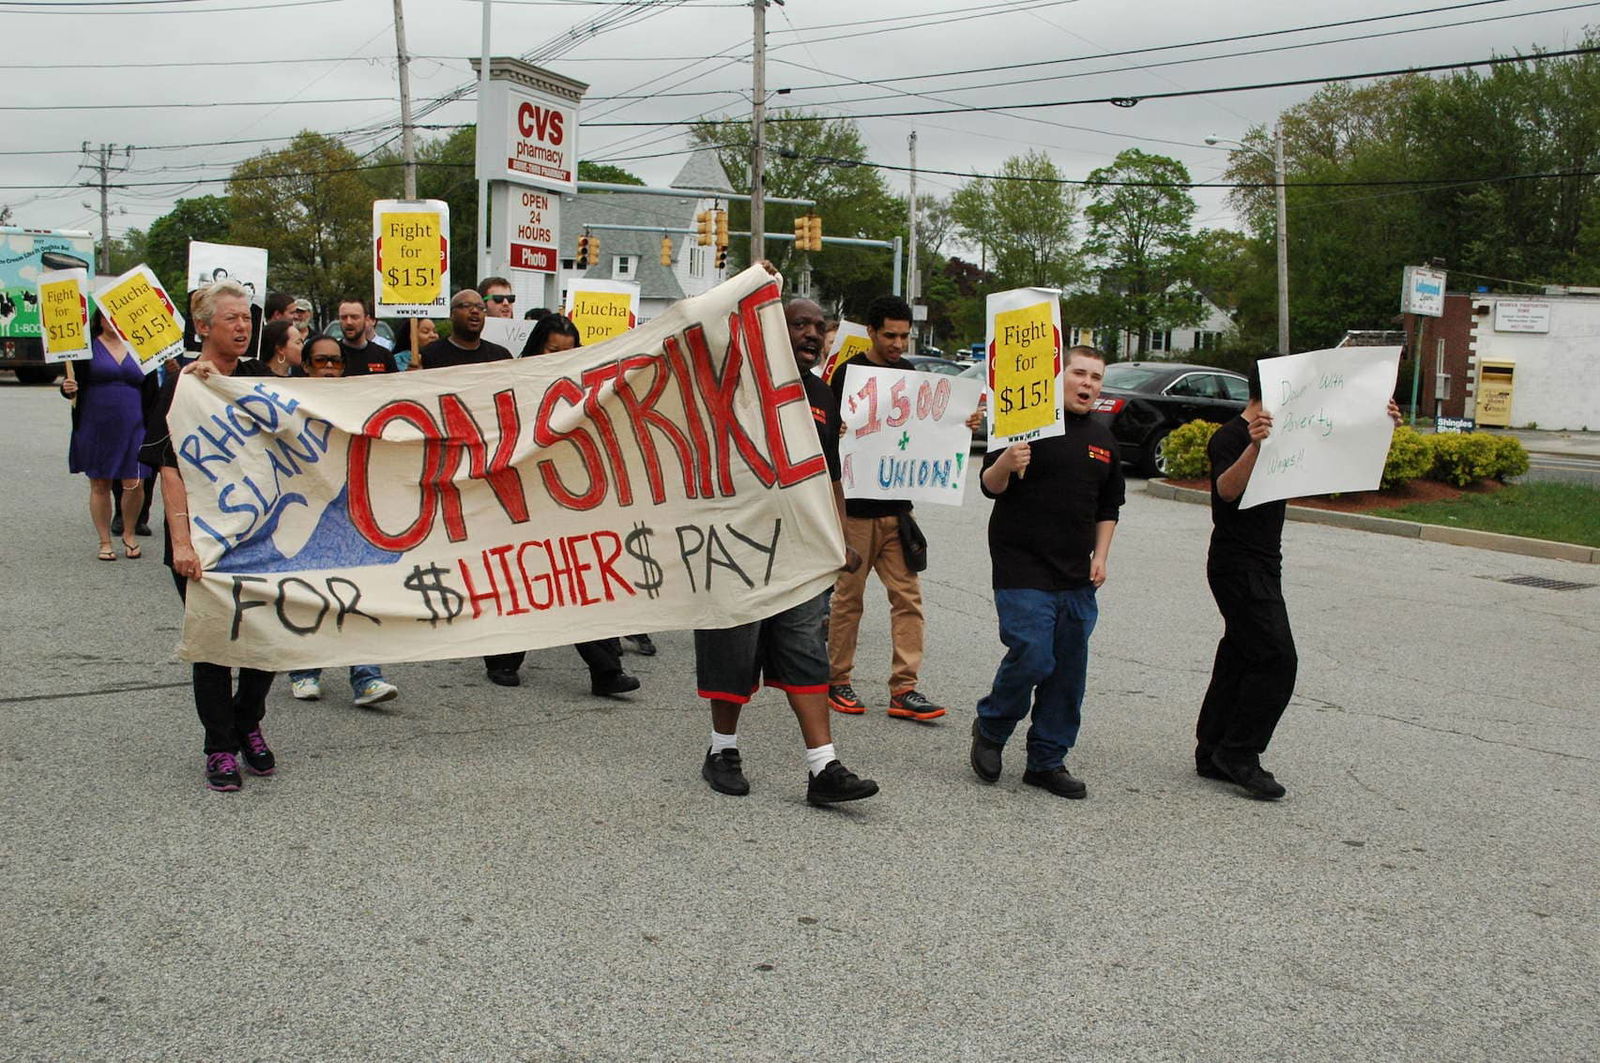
x: 327, y: 359
x: 502, y: 298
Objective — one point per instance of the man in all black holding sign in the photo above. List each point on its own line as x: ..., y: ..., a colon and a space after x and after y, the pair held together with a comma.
x: 1253, y: 677
x: 1055, y: 510
x: 873, y: 529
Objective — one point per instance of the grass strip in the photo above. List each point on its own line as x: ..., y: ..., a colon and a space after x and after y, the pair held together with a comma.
x: 1564, y: 513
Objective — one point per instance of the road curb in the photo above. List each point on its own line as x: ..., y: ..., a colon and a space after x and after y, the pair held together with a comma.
x: 1482, y: 540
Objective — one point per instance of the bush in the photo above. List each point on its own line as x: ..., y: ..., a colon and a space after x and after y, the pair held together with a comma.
x: 1464, y: 459
x: 1410, y: 456
x: 1185, y: 451
x: 1511, y: 458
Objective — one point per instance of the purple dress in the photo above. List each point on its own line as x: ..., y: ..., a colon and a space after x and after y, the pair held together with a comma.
x: 109, y: 427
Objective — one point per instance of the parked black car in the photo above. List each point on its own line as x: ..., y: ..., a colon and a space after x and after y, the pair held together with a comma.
x: 932, y: 363
x: 1146, y: 400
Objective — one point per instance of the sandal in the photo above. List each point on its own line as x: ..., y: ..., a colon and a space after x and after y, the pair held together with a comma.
x: 132, y: 551
x: 106, y: 553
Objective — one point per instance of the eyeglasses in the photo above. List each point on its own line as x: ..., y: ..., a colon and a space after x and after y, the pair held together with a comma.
x: 466, y: 306
x: 502, y: 298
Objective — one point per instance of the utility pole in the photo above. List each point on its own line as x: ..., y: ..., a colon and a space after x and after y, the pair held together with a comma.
x: 1280, y: 179
x: 408, y: 147
x: 913, y: 289
x: 758, y: 136
x: 100, y: 161
x: 483, y: 182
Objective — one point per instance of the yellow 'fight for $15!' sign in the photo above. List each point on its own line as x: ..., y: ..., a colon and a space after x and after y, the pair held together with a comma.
x: 410, y: 256
x: 64, y: 314
x: 1025, y: 362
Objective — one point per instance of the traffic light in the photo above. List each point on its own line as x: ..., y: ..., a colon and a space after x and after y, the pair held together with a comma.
x: 594, y: 250
x: 583, y: 251
x: 702, y: 228
x: 722, y: 228
x: 722, y: 256
x: 814, y: 230
x: 802, y: 233
x: 666, y: 250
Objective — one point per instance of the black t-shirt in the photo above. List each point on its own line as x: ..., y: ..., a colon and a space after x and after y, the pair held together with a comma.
x: 373, y: 358
x: 1041, y: 531
x: 442, y: 354
x: 865, y: 507
x: 1241, y: 538
x: 826, y: 413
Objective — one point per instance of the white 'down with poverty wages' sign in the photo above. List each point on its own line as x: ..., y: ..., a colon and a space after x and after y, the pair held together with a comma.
x: 1024, y: 366
x: 671, y: 480
x: 905, y: 434
x: 64, y: 314
x: 1330, y: 423
x: 143, y: 315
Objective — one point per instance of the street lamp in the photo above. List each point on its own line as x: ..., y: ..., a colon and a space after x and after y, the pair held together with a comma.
x: 1279, y: 186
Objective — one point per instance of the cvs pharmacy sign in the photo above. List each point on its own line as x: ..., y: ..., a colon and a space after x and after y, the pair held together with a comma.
x: 527, y: 127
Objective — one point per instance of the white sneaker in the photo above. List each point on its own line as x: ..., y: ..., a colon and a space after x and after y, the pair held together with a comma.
x: 376, y: 690
x: 306, y: 688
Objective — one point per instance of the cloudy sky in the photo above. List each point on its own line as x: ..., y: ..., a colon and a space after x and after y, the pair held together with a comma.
x: 251, y: 72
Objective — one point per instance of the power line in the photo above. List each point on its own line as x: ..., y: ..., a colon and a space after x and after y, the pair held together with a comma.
x: 168, y: 106
x: 37, y: 7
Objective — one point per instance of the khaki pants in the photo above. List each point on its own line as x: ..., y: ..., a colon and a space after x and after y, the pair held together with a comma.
x: 877, y: 540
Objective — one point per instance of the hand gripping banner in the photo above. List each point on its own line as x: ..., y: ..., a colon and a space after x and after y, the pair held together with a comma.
x: 669, y: 478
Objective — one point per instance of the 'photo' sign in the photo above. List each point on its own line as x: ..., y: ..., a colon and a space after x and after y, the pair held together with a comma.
x: 1330, y: 423
x: 64, y: 314
x: 1024, y: 344
x: 143, y: 315
x: 411, y: 257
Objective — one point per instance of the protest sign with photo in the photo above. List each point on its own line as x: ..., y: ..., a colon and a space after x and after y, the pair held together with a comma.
x: 64, y: 314
x: 1024, y: 366
x: 671, y: 480
x: 143, y: 315
x: 1330, y: 423
x: 509, y: 332
x: 602, y: 310
x: 849, y: 340
x: 411, y: 257
x: 905, y: 434
x: 247, y: 266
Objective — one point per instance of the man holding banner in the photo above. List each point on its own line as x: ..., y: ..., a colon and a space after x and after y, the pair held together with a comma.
x: 1254, y: 672
x: 788, y: 649
x: 876, y: 530
x: 1056, y: 505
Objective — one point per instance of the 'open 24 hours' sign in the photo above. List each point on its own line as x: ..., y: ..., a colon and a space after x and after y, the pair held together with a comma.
x: 411, y: 257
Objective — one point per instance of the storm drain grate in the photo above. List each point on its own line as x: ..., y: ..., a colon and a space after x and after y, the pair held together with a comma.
x: 1545, y: 583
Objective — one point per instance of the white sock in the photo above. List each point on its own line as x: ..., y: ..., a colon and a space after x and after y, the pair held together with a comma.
x: 720, y: 741
x: 819, y: 758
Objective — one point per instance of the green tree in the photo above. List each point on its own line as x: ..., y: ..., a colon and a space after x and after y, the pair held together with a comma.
x: 166, y: 250
x: 130, y: 249
x: 1022, y: 222
x: 308, y: 205
x: 1139, y: 237
x: 818, y: 159
x: 601, y: 171
x: 444, y: 172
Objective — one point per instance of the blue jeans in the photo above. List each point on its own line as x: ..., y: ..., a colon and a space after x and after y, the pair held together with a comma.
x: 1046, y: 634
x: 359, y: 674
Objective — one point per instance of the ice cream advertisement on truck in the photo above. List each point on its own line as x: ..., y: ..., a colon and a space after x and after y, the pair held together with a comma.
x: 26, y: 254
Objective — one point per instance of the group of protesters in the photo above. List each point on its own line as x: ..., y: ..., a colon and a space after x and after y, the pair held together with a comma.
x: 1056, y: 505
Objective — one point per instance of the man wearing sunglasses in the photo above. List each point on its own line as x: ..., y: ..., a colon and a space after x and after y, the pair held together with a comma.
x: 497, y: 294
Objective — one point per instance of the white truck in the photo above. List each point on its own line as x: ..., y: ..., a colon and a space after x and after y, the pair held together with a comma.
x: 24, y: 254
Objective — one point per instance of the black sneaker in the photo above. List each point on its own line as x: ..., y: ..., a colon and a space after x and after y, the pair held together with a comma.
x: 723, y: 772
x: 222, y: 772
x: 914, y: 705
x: 1058, y: 781
x: 836, y: 783
x: 642, y: 645
x: 615, y: 683
x: 985, y: 755
x: 258, y: 759
x: 842, y: 698
x: 505, y: 677
x: 1204, y: 768
x: 141, y: 528
x: 1249, y: 774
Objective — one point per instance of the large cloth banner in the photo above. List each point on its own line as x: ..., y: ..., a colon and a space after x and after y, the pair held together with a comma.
x: 905, y: 435
x: 1330, y: 423
x: 668, y: 479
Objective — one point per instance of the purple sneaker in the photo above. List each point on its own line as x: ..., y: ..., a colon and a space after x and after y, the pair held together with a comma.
x: 258, y: 759
x: 222, y: 772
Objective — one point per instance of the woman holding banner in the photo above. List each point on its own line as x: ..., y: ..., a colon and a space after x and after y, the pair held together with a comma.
x: 231, y: 718
x: 107, y: 429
